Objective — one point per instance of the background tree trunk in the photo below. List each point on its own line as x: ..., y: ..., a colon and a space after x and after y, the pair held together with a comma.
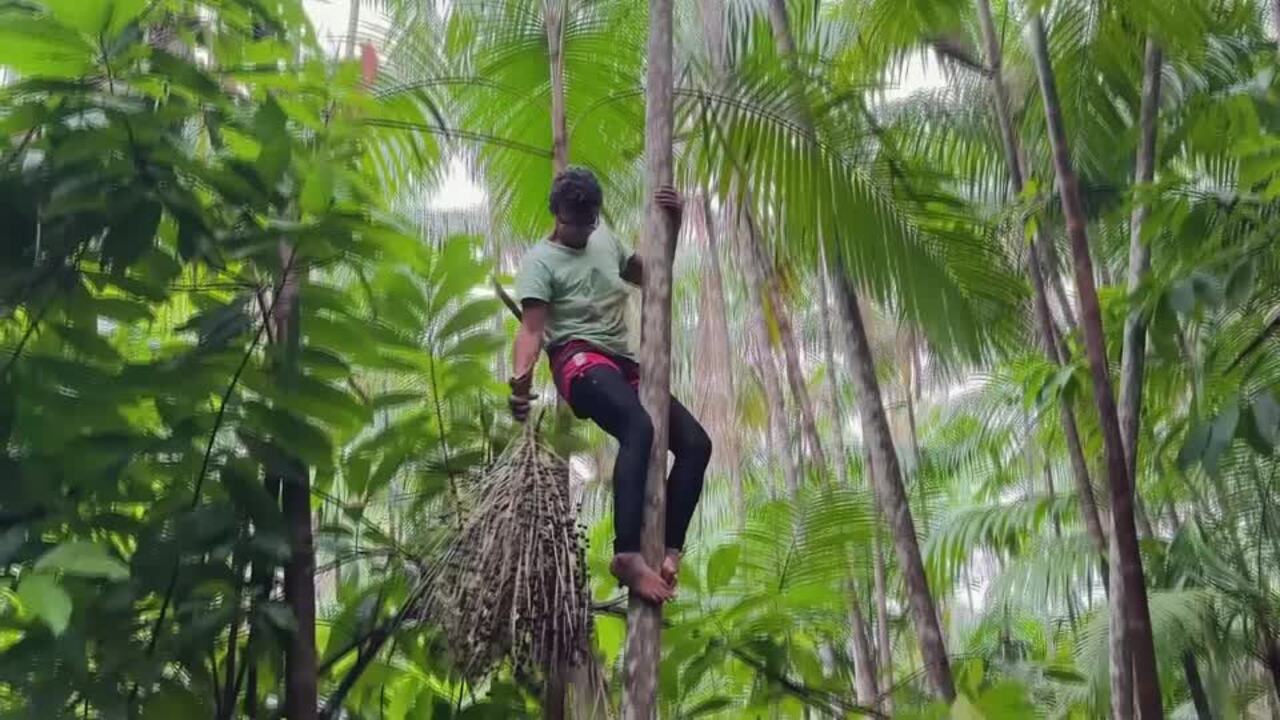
x: 864, y: 666
x: 893, y: 496
x: 1131, y: 598
x: 840, y: 458
x: 553, y: 14
x: 300, y: 691
x: 644, y: 621
x: 1043, y: 315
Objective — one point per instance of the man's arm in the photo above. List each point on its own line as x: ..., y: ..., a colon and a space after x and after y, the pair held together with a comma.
x: 670, y: 200
x: 528, y: 345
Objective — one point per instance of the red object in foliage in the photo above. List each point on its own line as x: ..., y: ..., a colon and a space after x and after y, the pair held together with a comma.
x: 368, y: 63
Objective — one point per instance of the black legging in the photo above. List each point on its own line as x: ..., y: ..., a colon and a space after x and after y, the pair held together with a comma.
x: 604, y: 395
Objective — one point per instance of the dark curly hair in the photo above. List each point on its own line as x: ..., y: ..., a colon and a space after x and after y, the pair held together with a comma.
x: 575, y: 190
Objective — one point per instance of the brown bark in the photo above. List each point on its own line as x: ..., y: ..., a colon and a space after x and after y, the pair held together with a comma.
x: 717, y: 396
x: 644, y: 621
x: 553, y: 14
x: 795, y: 375
x: 1132, y: 600
x: 1043, y: 314
x: 841, y: 460
x: 1133, y: 354
x: 770, y: 378
x: 864, y: 666
x: 893, y: 496
x: 884, y: 648
x: 300, y: 690
x: 889, y: 485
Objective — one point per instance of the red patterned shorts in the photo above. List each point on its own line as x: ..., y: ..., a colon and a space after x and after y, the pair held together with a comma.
x: 575, y: 357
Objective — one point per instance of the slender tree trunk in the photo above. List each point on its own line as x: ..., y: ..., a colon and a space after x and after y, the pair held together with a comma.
x: 893, y: 496
x: 300, y: 691
x: 553, y: 14
x: 353, y: 29
x: 889, y: 487
x: 770, y: 378
x: 1132, y: 601
x: 1043, y: 315
x: 738, y: 216
x: 644, y: 621
x: 795, y: 378
x: 717, y: 392
x: 884, y: 649
x: 1133, y: 354
x: 1199, y: 698
x: 841, y: 460
x: 864, y: 666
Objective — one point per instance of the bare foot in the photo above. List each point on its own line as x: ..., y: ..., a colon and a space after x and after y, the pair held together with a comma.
x: 635, y: 573
x: 670, y: 570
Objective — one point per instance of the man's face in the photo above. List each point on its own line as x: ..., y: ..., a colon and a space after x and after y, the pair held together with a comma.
x: 573, y: 227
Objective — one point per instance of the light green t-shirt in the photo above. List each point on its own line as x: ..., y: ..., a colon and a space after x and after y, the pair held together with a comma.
x: 584, y: 289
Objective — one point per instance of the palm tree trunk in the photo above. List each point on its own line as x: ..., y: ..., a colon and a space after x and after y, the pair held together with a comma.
x: 769, y: 376
x: 1043, y: 314
x: 884, y: 650
x: 717, y: 388
x: 795, y: 376
x: 889, y: 486
x: 300, y: 690
x: 353, y: 29
x: 841, y: 460
x: 893, y: 496
x: 644, y: 620
x: 790, y: 357
x: 1131, y: 600
x: 1133, y: 354
x: 553, y: 14
x: 864, y: 666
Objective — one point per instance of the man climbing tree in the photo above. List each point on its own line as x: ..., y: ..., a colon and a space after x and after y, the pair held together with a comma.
x: 573, y: 288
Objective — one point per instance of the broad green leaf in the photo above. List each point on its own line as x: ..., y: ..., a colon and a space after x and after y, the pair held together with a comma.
x: 317, y: 189
x: 722, y: 566
x: 36, y: 48
x: 131, y: 234
x: 43, y: 597
x: 84, y: 559
x: 1193, y: 447
x: 174, y: 702
x: 86, y: 16
x: 1220, y: 436
x: 294, y: 435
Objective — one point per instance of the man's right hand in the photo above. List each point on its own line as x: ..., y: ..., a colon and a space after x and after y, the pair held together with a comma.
x: 521, y: 397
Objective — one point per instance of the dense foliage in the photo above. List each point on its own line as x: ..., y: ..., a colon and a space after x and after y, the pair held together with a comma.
x: 247, y: 362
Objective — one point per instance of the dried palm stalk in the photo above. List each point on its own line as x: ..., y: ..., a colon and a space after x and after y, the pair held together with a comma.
x: 513, y: 581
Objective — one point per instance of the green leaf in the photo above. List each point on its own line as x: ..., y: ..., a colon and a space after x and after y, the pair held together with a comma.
x: 131, y: 234
x: 1194, y: 446
x: 270, y: 126
x: 317, y: 189
x: 722, y: 566
x: 124, y: 12
x: 174, y: 702
x: 1260, y: 426
x: 1240, y: 284
x: 43, y: 597
x: 294, y: 435
x: 1220, y: 436
x: 36, y: 48
x: 87, y: 16
x: 84, y: 559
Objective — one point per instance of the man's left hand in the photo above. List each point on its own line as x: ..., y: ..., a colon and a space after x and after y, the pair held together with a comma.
x: 670, y: 200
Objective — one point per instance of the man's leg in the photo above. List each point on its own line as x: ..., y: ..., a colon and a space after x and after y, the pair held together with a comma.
x: 603, y: 395
x: 691, y: 447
